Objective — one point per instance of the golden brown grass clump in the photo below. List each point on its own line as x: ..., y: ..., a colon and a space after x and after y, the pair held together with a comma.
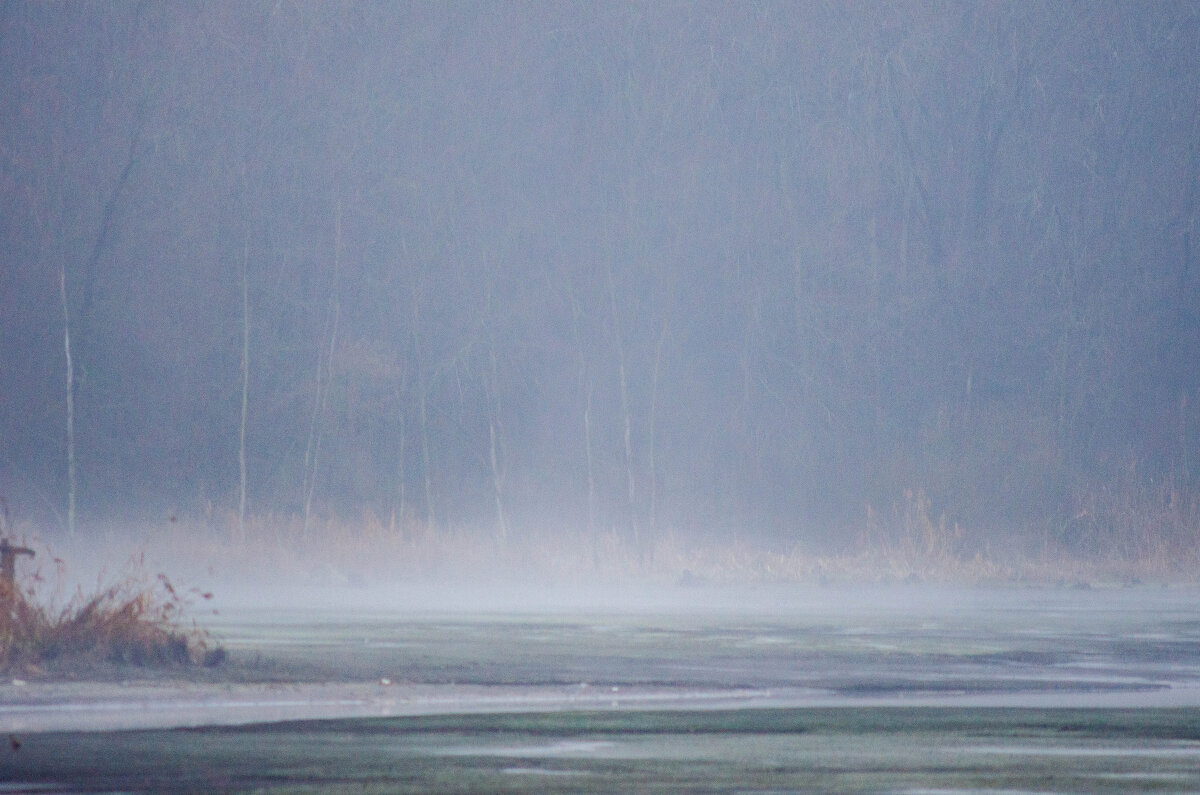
x: 134, y: 622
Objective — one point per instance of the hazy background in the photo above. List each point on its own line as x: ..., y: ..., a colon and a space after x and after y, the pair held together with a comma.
x: 772, y: 271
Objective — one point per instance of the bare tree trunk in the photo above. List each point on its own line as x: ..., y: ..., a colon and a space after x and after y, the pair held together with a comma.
x: 430, y: 518
x: 585, y: 385
x: 83, y: 318
x: 658, y: 349
x: 90, y: 276
x: 320, y: 399
x: 630, y: 477
x: 591, y: 468
x: 316, y: 413
x: 497, y: 472
x: 497, y: 485
x: 1184, y: 458
x: 423, y: 415
x: 62, y: 286
x: 245, y: 388
x: 400, y: 497
x: 313, y: 445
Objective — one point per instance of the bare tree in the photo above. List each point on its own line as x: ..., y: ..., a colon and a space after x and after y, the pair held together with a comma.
x: 626, y: 413
x: 245, y: 387
x: 321, y: 389
x: 496, y: 457
x: 585, y: 386
x: 62, y: 285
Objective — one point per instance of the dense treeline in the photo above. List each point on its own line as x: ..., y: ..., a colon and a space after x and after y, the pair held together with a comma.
x: 747, y: 268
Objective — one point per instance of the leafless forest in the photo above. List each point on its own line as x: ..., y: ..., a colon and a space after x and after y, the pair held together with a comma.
x: 795, y: 275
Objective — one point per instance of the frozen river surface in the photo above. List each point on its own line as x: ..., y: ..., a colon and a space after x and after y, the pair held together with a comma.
x: 761, y: 689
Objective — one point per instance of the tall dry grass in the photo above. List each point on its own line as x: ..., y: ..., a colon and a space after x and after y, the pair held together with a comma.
x: 137, y: 620
x: 910, y: 546
x: 1119, y: 535
x: 1129, y: 530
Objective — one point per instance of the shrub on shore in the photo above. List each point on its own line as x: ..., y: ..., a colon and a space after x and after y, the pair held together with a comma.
x: 134, y: 622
